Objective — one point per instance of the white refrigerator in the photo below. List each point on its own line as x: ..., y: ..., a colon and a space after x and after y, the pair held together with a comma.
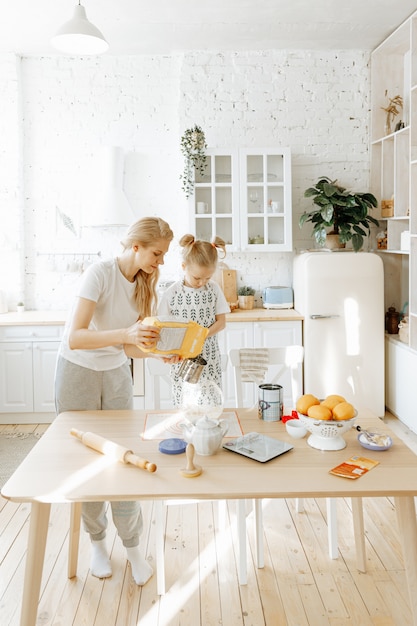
x: 341, y: 297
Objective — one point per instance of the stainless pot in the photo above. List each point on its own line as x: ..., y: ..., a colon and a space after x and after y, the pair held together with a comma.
x: 190, y: 370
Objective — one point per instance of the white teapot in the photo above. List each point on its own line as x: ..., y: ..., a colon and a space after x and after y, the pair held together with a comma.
x: 206, y: 435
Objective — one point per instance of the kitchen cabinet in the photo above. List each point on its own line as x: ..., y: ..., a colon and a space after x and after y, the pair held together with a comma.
x: 394, y: 179
x: 27, y: 368
x: 271, y: 334
x: 28, y: 353
x: 400, y: 384
x: 244, y: 197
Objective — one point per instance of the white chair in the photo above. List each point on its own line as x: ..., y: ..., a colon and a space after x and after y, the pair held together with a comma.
x: 159, y: 381
x: 159, y: 372
x: 289, y: 360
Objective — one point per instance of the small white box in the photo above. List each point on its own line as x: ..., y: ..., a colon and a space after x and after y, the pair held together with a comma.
x: 405, y: 240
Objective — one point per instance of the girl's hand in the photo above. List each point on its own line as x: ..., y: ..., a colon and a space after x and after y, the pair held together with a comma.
x: 171, y: 359
x: 142, y: 336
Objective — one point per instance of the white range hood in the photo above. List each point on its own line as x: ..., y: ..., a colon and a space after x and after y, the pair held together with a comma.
x: 110, y: 206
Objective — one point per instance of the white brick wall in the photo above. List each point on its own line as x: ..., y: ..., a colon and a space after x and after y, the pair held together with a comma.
x: 315, y: 102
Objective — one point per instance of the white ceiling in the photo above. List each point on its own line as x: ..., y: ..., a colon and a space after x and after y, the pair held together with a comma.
x: 166, y: 26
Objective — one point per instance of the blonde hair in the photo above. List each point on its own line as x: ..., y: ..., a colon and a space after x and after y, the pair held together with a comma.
x: 201, y: 253
x: 145, y: 232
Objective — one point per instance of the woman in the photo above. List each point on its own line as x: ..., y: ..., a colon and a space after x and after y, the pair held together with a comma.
x: 93, y: 370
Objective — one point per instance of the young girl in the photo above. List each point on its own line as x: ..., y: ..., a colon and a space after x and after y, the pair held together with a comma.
x: 93, y: 370
x: 200, y: 299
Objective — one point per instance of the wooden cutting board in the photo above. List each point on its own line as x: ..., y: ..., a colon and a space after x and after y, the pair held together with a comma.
x: 228, y: 283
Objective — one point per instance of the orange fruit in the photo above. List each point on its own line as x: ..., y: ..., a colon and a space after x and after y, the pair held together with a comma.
x: 305, y: 402
x: 332, y: 400
x: 343, y: 411
x: 319, y: 412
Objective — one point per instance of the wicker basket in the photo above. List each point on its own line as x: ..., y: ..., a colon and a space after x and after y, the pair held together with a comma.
x: 246, y: 302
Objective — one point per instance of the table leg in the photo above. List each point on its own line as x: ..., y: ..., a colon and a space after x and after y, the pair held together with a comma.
x: 259, y: 533
x: 406, y: 515
x: 241, y: 533
x: 159, y: 546
x: 74, y: 538
x: 331, y: 506
x: 359, y: 533
x: 38, y: 531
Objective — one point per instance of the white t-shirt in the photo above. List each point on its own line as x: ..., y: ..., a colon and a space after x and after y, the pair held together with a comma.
x: 104, y: 283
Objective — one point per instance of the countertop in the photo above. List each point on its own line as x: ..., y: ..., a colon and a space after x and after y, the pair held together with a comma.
x: 34, y: 318
x: 264, y: 315
x: 58, y: 318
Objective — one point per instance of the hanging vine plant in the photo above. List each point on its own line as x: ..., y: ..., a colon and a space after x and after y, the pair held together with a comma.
x: 193, y: 146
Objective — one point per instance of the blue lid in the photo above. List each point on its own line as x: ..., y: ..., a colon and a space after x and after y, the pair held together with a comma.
x: 172, y: 446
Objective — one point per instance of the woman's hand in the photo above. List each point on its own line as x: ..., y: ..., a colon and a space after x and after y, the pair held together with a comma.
x: 142, y: 336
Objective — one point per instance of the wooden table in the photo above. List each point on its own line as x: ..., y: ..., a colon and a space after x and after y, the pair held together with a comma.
x: 60, y: 469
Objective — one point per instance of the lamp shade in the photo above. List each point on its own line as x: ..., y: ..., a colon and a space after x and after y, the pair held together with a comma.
x: 79, y: 35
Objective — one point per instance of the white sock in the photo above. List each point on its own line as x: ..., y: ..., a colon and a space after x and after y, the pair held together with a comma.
x: 141, y: 570
x: 100, y: 565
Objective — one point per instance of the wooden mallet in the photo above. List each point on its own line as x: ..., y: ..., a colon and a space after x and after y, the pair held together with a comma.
x: 112, y: 449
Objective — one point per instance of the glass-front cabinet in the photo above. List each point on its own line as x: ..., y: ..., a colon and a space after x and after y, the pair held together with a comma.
x: 265, y: 199
x: 215, y: 200
x: 244, y: 197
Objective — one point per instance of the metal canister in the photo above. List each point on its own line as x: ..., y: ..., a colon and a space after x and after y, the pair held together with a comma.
x: 392, y: 319
x: 270, y: 402
x: 190, y: 370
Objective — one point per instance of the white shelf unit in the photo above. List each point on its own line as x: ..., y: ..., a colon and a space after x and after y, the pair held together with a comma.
x: 394, y: 163
x: 394, y: 176
x: 244, y: 197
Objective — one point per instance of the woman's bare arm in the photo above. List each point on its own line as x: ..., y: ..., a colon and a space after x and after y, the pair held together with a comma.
x: 82, y: 338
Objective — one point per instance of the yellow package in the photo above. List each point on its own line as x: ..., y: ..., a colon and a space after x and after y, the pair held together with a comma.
x: 183, y: 338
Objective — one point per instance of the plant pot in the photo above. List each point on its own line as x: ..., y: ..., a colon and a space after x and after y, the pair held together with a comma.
x: 246, y: 302
x: 333, y: 242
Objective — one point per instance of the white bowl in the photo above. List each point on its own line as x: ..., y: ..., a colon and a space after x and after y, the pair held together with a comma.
x: 295, y: 428
x: 326, y: 434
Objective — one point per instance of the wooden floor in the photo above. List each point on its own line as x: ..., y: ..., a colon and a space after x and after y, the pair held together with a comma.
x: 299, y: 585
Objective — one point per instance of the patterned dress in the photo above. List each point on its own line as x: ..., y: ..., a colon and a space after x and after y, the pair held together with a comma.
x: 201, y: 306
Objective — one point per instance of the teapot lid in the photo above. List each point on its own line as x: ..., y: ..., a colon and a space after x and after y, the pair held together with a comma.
x: 205, y: 423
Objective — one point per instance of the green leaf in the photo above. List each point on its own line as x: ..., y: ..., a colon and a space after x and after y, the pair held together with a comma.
x: 357, y: 242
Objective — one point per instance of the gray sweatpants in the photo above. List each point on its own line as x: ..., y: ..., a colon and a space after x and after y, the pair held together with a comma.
x: 81, y: 389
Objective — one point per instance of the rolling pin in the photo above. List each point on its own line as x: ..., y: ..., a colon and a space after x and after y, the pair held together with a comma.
x: 112, y: 449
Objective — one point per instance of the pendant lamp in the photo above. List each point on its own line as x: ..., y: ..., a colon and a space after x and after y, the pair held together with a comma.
x: 79, y: 35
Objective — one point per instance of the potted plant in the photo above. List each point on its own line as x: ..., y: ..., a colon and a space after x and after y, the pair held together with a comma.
x: 20, y: 307
x: 245, y: 296
x: 193, y: 147
x: 345, y: 212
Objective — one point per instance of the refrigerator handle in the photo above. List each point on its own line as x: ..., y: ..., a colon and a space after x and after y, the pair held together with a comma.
x: 322, y: 317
